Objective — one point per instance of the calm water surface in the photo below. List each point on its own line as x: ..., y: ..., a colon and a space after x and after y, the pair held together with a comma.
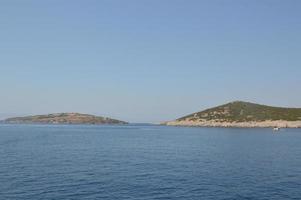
x: 148, y: 162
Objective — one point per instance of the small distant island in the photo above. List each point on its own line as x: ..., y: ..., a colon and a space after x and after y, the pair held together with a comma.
x: 63, y: 118
x: 242, y: 114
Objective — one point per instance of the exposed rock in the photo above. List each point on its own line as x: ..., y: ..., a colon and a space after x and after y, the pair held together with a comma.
x: 242, y: 114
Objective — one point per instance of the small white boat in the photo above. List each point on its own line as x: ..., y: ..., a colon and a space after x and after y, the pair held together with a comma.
x: 276, y: 129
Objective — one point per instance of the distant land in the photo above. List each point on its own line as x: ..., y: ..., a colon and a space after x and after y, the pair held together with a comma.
x: 242, y: 114
x: 64, y: 118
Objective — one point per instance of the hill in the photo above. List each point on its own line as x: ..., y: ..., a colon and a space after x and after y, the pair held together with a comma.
x: 243, y: 114
x: 65, y: 118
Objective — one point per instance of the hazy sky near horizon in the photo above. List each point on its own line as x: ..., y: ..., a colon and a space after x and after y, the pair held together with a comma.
x: 147, y: 60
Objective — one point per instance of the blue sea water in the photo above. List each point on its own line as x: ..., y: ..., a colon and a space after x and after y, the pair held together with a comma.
x: 148, y: 162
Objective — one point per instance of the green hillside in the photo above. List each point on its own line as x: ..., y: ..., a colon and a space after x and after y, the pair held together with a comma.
x: 239, y: 111
x: 65, y: 118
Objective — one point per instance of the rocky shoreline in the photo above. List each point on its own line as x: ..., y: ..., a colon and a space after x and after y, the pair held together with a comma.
x: 251, y: 124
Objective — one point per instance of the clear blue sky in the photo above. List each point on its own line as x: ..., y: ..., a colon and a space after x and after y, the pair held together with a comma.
x: 147, y: 60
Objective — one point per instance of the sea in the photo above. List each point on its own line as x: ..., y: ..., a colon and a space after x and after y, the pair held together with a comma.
x: 148, y: 162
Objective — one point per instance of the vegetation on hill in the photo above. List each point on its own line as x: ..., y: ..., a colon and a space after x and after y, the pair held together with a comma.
x: 65, y: 118
x: 239, y: 111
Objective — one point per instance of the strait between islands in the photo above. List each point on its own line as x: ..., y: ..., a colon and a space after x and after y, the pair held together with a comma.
x: 244, y: 115
x: 234, y: 114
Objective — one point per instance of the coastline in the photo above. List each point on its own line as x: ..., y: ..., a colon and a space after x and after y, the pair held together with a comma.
x: 251, y: 124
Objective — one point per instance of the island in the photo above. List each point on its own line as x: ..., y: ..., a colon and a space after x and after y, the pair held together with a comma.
x: 242, y: 114
x: 64, y: 118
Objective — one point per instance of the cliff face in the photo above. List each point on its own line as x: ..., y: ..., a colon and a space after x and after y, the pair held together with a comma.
x: 65, y: 118
x: 243, y: 114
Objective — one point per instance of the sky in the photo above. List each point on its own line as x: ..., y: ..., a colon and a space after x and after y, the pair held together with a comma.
x: 147, y: 60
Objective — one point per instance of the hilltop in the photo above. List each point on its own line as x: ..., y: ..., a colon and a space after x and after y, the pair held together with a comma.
x: 243, y: 114
x: 65, y: 118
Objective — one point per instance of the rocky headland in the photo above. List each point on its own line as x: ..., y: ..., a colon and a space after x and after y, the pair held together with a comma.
x: 242, y: 114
